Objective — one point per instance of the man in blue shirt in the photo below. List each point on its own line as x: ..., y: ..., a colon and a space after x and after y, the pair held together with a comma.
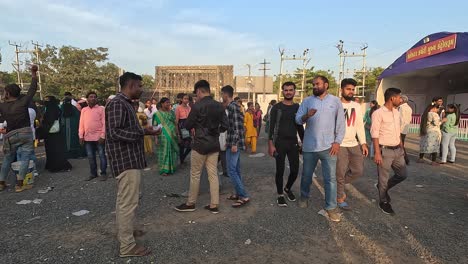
x: 325, y: 129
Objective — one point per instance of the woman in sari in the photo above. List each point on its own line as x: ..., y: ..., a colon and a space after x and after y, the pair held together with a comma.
x: 70, y: 123
x: 54, y: 140
x: 143, y: 120
x: 430, y: 134
x: 168, y: 148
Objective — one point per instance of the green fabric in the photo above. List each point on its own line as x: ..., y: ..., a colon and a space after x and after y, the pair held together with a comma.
x: 167, y: 149
x: 449, y: 126
x: 70, y: 126
x: 367, y: 126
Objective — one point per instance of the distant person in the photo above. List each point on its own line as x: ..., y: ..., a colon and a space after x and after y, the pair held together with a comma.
x: 258, y: 118
x: 353, y: 149
x: 208, y: 119
x: 373, y: 105
x: 168, y: 147
x: 430, y: 133
x: 266, y: 118
x: 17, y: 135
x: 282, y: 142
x: 54, y: 139
x: 325, y: 129
x: 125, y: 151
x: 185, y: 138
x: 178, y: 101
x: 70, y: 123
x: 406, y: 115
x: 235, y: 142
x: 389, y: 153
x: 449, y: 133
x: 250, y: 130
x: 92, y: 134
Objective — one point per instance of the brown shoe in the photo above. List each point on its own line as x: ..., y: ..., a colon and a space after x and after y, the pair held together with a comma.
x: 103, y: 177
x: 334, y: 215
x: 137, y: 251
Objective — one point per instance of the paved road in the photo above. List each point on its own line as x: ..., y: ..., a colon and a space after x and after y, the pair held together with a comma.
x: 430, y: 225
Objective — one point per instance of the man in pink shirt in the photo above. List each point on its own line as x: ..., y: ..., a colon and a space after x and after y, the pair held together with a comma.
x: 389, y: 152
x: 92, y: 132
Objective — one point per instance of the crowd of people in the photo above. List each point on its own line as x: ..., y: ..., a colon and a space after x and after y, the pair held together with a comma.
x: 124, y: 132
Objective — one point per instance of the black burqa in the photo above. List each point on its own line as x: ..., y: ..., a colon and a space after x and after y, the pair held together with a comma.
x: 54, y: 142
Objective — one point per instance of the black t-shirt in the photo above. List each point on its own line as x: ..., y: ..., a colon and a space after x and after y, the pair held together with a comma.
x: 288, y: 128
x: 16, y: 112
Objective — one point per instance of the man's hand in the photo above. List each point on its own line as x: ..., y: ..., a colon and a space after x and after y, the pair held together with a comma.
x: 378, y: 158
x: 335, y: 148
x: 34, y: 69
x: 311, y: 112
x: 271, y: 150
x: 101, y: 141
x: 234, y: 149
x: 365, y: 150
x: 151, y: 131
x: 81, y: 141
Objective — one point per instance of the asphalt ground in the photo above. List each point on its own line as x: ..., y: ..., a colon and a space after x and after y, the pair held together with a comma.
x: 430, y: 225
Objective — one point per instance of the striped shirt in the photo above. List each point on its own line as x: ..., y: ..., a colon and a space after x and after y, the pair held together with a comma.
x: 124, y: 136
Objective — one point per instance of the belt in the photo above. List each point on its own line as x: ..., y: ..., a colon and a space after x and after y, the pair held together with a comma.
x: 390, y: 147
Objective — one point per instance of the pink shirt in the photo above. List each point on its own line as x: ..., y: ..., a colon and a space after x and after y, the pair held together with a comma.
x: 182, y: 112
x: 386, y: 126
x: 92, y: 123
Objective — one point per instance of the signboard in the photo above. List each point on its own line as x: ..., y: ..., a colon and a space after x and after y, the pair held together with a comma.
x: 432, y: 48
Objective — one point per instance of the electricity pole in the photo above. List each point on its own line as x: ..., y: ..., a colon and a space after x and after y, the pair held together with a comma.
x: 264, y: 69
x: 16, y: 65
x: 304, y: 60
x: 343, y: 55
x: 38, y: 62
x: 249, y: 81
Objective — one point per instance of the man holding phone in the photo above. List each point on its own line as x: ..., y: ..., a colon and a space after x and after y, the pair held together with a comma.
x: 282, y: 141
x: 325, y: 129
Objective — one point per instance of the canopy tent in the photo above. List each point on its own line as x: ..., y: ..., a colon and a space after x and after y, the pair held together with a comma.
x: 437, y: 65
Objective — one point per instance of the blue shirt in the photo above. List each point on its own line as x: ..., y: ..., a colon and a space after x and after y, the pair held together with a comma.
x: 326, y: 126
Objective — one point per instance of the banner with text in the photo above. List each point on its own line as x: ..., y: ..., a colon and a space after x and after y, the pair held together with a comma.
x: 432, y: 48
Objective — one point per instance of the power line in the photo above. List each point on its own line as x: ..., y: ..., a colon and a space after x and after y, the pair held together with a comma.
x: 264, y: 69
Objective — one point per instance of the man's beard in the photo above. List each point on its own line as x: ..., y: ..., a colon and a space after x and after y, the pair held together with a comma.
x: 317, y: 92
x: 289, y: 98
x: 347, y: 97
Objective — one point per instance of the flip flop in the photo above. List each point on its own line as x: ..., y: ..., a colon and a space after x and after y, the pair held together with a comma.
x: 137, y: 251
x: 233, y: 197
x: 241, y: 202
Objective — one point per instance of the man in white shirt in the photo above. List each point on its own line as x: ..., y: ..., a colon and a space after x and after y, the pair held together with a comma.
x: 406, y: 114
x: 350, y: 162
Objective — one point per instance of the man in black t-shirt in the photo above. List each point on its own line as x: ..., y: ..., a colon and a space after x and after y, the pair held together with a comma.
x: 18, y: 135
x: 282, y: 141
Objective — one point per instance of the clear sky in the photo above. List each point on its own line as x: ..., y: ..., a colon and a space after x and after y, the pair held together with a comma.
x: 141, y: 34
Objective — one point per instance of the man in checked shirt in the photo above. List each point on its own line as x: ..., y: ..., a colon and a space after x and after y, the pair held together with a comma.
x: 125, y: 150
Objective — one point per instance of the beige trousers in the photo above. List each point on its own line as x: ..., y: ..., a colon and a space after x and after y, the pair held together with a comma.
x: 211, y: 162
x: 128, y: 191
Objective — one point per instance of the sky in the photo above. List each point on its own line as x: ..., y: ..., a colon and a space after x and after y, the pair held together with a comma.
x: 142, y: 34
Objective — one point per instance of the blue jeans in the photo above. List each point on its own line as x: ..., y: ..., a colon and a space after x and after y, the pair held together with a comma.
x: 329, y: 175
x: 91, y: 148
x: 233, y: 164
x: 18, y: 144
x: 448, y: 143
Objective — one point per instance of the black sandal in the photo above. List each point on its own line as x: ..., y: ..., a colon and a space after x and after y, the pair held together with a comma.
x: 241, y: 202
x: 233, y: 197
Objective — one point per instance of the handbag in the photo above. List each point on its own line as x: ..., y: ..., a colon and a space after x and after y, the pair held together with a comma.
x: 55, y: 128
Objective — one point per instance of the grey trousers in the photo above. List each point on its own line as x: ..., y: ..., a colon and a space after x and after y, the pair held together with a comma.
x: 392, y: 159
x: 349, y: 166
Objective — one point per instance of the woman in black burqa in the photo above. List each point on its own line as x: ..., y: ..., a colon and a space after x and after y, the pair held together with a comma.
x: 54, y: 142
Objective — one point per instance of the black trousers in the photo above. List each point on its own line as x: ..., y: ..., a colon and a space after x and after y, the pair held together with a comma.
x: 286, y: 148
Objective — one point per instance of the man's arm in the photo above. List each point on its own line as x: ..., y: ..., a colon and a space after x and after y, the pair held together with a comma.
x: 273, y: 116
x: 340, y: 123
x: 238, y: 122
x: 192, y: 118
x: 224, y: 122
x: 375, y: 131
x: 114, y: 117
x: 361, y: 133
x: 103, y: 121
x: 300, y: 114
x: 81, y: 125
x: 33, y: 87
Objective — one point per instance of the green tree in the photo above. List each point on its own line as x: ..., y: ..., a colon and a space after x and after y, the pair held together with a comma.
x: 148, y: 82
x: 371, y: 79
x: 310, y: 74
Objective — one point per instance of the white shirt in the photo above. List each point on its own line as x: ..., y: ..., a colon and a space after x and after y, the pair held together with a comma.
x: 149, y: 114
x: 406, y: 114
x: 354, y: 125
x: 32, y: 118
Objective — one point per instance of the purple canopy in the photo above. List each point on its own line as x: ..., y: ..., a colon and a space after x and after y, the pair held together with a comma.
x: 457, y: 55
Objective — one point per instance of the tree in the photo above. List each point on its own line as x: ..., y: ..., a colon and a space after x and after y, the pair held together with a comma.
x: 371, y: 79
x: 148, y: 82
x: 310, y: 74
